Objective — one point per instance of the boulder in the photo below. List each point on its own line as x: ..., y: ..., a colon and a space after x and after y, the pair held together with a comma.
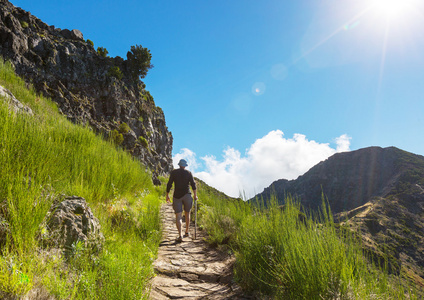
x: 74, y: 34
x: 14, y: 104
x: 72, y: 221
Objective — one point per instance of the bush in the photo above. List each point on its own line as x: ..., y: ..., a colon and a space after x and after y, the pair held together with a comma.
x: 147, y: 96
x: 116, y: 137
x: 143, y: 141
x: 124, y: 128
x: 116, y: 72
x: 90, y: 42
x: 102, y: 51
x: 24, y: 24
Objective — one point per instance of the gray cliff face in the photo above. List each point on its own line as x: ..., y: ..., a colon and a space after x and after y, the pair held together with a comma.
x: 86, y: 86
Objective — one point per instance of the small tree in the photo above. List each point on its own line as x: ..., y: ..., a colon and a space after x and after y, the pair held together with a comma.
x: 139, y: 62
x: 102, y: 51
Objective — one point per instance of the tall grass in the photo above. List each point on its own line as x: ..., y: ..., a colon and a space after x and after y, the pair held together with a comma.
x: 284, y: 253
x: 221, y: 218
x: 45, y: 155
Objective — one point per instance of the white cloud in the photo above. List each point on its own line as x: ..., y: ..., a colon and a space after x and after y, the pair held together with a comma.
x: 269, y: 158
x: 343, y: 143
x: 189, y: 156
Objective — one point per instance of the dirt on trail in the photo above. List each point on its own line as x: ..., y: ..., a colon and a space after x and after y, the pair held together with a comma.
x: 191, y: 269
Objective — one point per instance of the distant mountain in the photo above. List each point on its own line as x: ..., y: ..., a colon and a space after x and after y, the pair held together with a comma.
x: 379, y: 192
x: 351, y: 179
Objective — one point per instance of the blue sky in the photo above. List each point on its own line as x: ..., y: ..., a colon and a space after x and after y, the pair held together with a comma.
x: 302, y: 78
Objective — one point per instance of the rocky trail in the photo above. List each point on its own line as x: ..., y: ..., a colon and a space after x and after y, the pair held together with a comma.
x: 191, y: 269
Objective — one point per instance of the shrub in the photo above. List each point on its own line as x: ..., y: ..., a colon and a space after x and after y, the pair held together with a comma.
x: 102, y: 51
x: 147, y: 96
x: 116, y: 72
x: 24, y: 24
x: 116, y: 137
x: 124, y: 128
x: 90, y: 42
x: 143, y: 141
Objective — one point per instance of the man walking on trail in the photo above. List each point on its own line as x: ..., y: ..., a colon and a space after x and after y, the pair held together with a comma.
x: 182, y: 196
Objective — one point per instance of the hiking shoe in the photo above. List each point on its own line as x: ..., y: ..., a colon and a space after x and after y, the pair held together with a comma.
x: 187, y: 234
x: 179, y: 240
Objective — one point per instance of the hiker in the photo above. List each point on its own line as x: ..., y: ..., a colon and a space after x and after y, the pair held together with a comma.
x: 182, y: 196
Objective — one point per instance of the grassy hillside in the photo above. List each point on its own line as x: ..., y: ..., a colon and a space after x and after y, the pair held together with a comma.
x: 44, y: 156
x: 283, y: 253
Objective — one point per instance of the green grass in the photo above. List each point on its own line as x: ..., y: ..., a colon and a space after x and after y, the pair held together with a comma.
x: 284, y: 253
x: 45, y: 155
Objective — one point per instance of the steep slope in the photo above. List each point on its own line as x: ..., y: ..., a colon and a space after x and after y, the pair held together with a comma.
x: 88, y: 86
x: 393, y: 228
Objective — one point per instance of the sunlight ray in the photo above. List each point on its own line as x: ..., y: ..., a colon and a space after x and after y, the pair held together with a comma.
x: 331, y: 35
x: 383, y: 57
x: 379, y: 96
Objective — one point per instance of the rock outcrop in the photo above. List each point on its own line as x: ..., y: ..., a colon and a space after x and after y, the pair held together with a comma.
x: 72, y: 221
x: 89, y: 87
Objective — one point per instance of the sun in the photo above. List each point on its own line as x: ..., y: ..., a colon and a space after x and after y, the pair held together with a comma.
x: 393, y: 8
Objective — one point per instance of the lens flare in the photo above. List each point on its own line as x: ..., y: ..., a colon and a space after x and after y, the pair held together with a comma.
x: 351, y: 26
x: 258, y: 88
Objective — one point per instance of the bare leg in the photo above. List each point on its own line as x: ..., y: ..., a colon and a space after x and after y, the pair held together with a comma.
x: 187, y: 220
x: 179, y: 223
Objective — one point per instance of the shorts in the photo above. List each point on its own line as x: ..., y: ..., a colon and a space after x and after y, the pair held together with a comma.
x: 186, y: 200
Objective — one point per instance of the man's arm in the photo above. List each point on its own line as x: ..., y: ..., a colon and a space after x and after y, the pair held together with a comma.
x: 168, y: 187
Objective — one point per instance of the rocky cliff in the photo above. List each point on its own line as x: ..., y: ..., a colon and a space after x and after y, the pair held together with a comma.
x: 88, y: 86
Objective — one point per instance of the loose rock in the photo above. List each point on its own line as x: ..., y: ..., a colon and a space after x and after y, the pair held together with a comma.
x: 72, y: 221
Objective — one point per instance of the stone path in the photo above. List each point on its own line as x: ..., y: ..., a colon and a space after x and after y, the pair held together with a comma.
x: 191, y: 269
